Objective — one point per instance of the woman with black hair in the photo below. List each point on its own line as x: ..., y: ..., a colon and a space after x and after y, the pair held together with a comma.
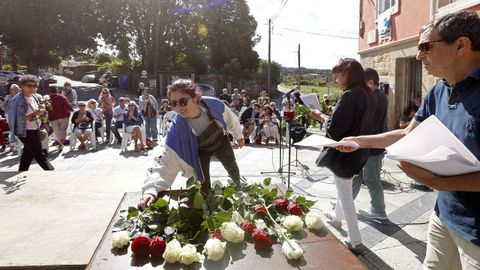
x: 352, y: 116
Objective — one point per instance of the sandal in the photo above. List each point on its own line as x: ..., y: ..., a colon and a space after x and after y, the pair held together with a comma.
x: 358, y: 249
x: 332, y: 219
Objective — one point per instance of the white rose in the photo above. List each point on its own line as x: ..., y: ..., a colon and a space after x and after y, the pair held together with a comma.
x: 314, y: 221
x: 215, y: 249
x: 172, y: 251
x: 189, y: 254
x: 291, y: 249
x: 293, y: 223
x: 232, y: 232
x: 120, y: 239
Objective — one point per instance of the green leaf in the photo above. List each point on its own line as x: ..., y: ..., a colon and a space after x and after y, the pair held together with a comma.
x: 119, y: 225
x: 237, y: 218
x: 288, y: 193
x: 132, y: 212
x: 301, y: 200
x: 274, y: 192
x: 229, y: 191
x: 267, y: 181
x: 191, y: 182
x: 160, y: 203
x: 198, y: 200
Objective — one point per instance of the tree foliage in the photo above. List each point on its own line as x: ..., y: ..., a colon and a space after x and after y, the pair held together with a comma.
x: 42, y: 32
x: 199, y: 35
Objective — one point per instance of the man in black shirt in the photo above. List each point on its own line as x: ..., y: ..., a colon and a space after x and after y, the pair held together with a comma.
x: 370, y: 174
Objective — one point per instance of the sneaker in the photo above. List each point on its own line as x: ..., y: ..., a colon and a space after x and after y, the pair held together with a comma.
x: 369, y: 214
x: 66, y: 142
x: 2, y: 149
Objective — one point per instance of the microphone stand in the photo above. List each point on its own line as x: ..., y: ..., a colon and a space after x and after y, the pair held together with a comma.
x: 280, y: 168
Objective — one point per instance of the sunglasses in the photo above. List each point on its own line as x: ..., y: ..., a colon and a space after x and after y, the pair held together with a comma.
x: 182, y: 102
x: 30, y: 85
x: 427, y: 46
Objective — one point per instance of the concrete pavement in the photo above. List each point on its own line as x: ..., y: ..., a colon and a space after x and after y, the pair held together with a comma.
x: 58, y: 218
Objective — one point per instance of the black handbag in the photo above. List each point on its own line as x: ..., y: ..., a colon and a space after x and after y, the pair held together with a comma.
x: 342, y: 164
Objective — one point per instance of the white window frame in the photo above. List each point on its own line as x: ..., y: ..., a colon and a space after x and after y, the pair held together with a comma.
x: 393, y: 9
x: 452, y: 7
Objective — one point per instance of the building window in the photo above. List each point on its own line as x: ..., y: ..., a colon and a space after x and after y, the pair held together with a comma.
x: 384, y: 5
x: 442, y: 3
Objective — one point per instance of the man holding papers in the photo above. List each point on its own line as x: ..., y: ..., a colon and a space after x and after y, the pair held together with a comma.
x: 449, y: 48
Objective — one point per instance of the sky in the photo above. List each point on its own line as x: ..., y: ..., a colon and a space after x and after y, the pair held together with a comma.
x: 322, y: 17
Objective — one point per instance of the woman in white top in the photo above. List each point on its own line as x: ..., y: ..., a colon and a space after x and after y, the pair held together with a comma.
x: 97, y: 116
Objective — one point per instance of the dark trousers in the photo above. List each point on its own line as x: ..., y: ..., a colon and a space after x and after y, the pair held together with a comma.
x: 108, y: 123
x: 114, y: 128
x: 227, y: 158
x: 32, y: 149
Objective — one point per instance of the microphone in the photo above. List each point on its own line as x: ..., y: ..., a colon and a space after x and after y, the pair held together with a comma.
x: 290, y: 91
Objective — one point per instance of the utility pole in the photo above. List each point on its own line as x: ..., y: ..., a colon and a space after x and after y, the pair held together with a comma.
x: 299, y: 75
x: 269, y: 55
x: 155, y: 63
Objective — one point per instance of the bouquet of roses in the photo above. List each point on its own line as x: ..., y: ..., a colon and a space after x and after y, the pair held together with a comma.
x: 210, y: 222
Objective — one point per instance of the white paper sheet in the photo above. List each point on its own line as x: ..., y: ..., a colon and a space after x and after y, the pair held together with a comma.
x: 311, y: 99
x: 319, y: 141
x: 433, y: 147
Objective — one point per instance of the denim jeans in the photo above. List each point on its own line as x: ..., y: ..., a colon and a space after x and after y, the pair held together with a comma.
x: 114, y: 128
x: 108, y: 123
x: 151, y: 128
x: 370, y: 175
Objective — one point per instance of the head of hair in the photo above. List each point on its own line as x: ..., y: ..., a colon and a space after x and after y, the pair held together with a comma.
x: 14, y: 86
x: 354, y: 71
x: 67, y: 84
x: 26, y: 79
x: 267, y: 108
x: 53, y: 89
x: 458, y: 24
x: 91, y: 101
x: 372, y: 75
x: 164, y: 101
x: 133, y: 104
x: 184, y: 86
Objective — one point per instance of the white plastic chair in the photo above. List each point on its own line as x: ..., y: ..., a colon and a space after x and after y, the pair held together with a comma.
x: 73, y: 137
x: 126, y: 137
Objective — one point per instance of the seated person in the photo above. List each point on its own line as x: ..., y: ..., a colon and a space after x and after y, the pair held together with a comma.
x: 133, y: 120
x: 118, y: 118
x: 250, y: 121
x: 3, y: 127
x: 82, y: 124
x: 407, y: 116
x: 269, y: 125
x: 97, y: 116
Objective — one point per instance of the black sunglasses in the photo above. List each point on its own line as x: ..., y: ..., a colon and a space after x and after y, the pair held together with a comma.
x: 425, y: 47
x: 182, y: 102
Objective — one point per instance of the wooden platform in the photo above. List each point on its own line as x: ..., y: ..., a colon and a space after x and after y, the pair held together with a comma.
x: 322, y: 251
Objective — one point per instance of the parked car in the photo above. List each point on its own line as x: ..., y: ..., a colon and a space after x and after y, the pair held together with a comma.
x: 109, y: 78
x: 207, y: 90
x: 89, y: 78
x: 10, y: 75
x: 48, y: 77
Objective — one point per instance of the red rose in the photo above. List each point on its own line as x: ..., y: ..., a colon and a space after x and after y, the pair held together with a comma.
x: 248, y: 227
x: 260, y: 210
x: 141, y: 245
x: 216, y: 234
x: 295, y: 209
x: 157, y: 246
x: 281, y: 204
x: 262, y: 239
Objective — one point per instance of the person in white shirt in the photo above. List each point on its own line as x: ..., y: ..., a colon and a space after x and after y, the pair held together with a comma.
x: 118, y: 118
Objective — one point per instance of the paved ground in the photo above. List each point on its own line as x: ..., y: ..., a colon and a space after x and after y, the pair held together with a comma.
x: 58, y: 217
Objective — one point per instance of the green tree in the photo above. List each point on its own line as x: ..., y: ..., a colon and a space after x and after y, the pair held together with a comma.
x: 231, y: 34
x: 42, y: 32
x: 275, y: 69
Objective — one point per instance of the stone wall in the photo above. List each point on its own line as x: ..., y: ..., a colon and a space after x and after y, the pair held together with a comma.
x: 252, y: 84
x: 390, y: 64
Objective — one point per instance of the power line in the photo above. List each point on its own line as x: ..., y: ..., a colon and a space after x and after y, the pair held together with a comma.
x: 279, y: 10
x: 317, y: 34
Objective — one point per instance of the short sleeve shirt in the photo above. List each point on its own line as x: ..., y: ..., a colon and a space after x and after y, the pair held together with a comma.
x: 458, y: 108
